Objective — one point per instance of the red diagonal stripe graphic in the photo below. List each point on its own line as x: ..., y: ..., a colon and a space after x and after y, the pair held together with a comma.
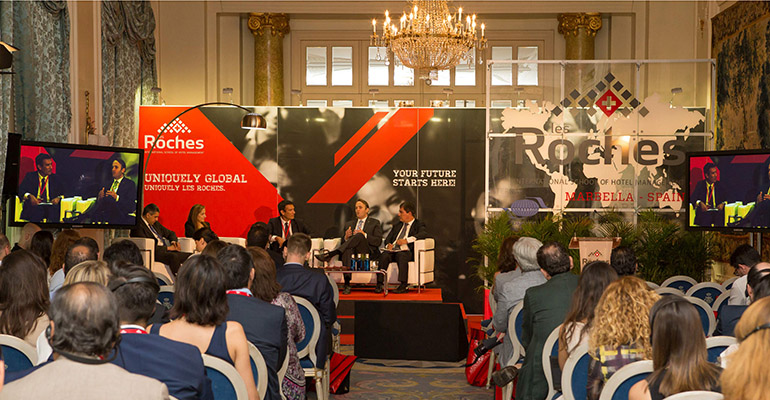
x: 358, y: 136
x: 373, y: 155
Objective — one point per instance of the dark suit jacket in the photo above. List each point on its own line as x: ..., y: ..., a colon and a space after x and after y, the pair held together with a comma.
x: 728, y: 318
x: 545, y: 307
x: 189, y: 228
x: 373, y: 230
x: 178, y: 365
x: 699, y: 193
x: 143, y: 231
x: 277, y: 257
x: 126, y: 196
x: 275, y: 227
x: 266, y: 328
x: 31, y: 182
x: 315, y: 287
x: 417, y: 230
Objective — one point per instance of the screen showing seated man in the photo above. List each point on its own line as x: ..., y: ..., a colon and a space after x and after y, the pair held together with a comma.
x: 729, y: 190
x: 70, y: 184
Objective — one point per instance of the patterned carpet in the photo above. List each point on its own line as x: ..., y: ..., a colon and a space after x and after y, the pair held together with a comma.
x: 409, y: 380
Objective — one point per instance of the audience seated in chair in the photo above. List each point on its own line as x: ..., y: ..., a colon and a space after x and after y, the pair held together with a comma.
x: 730, y: 314
x: 24, y: 296
x: 263, y: 323
x: 5, y: 247
x: 742, y: 259
x: 89, y: 271
x: 61, y: 244
x: 213, y: 248
x: 178, y: 365
x: 258, y: 237
x: 84, y: 331
x: 679, y: 355
x: 27, y: 231
x: 203, y: 237
x: 746, y: 374
x: 199, y: 317
x: 41, y: 244
x: 123, y: 253
x: 265, y: 287
x: 623, y: 260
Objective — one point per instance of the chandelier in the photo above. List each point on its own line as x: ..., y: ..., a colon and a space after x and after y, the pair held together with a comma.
x: 429, y: 38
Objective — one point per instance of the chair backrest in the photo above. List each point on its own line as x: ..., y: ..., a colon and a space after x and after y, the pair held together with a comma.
x: 652, y: 285
x: 282, y: 371
x: 234, y: 240
x: 492, y: 303
x: 696, y: 395
x: 574, y: 377
x: 681, y: 282
x: 706, y: 291
x: 518, y: 321
x: 717, y: 344
x: 17, y: 354
x: 146, y: 246
x: 259, y: 370
x: 312, y: 320
x: 225, y: 381
x: 511, y: 335
x: 166, y: 296
x: 163, y: 279
x: 665, y: 291
x: 706, y: 315
x: 728, y: 284
x: 723, y: 299
x: 617, y: 387
x: 186, y: 244
x: 550, y: 348
x: 335, y: 290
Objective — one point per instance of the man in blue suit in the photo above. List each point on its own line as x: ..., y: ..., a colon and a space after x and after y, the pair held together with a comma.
x: 309, y: 284
x: 264, y: 324
x: 178, y: 365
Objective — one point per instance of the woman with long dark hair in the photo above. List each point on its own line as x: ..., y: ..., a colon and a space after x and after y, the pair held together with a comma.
x: 41, y: 245
x: 199, y: 317
x: 679, y: 356
x: 265, y: 287
x: 63, y: 241
x: 24, y: 296
x: 196, y: 219
x: 596, y: 276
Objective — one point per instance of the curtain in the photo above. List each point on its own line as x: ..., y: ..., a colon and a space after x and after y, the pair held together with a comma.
x: 128, y: 67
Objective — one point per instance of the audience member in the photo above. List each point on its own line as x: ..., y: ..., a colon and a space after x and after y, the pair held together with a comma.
x: 84, y: 330
x: 510, y: 287
x: 91, y: 243
x: 5, y: 246
x: 265, y: 287
x: 621, y: 330
x: 24, y: 296
x: 264, y: 324
x: 199, y: 317
x: 309, y: 284
x: 123, y: 250
x: 596, y: 276
x: 76, y: 254
x: 89, y: 271
x: 623, y: 260
x: 27, y: 231
x: 743, y: 258
x: 544, y: 309
x: 679, y: 357
x: 161, y: 314
x: 61, y: 244
x: 214, y: 247
x: 167, y: 248
x: 203, y: 237
x: 41, y: 244
x: 729, y: 314
x: 178, y: 365
x: 196, y: 219
x: 258, y: 237
x: 746, y: 375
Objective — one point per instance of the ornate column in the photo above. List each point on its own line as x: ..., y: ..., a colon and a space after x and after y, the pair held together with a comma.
x: 268, y: 30
x: 579, y: 30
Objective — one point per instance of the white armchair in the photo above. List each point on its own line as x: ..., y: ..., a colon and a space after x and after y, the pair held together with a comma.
x: 234, y: 240
x: 186, y: 244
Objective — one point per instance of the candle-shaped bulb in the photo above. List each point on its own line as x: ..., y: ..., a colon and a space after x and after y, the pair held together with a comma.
x: 460, y: 14
x: 374, y: 26
x: 387, y: 14
x: 482, y: 30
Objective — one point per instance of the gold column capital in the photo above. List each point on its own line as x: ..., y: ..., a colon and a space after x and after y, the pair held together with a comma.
x: 570, y: 23
x: 278, y: 23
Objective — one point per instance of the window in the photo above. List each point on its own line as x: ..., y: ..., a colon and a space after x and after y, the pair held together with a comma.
x: 315, y: 61
x: 527, y: 73
x: 316, y: 103
x: 342, y: 66
x: 378, y: 66
x: 378, y: 103
x: 402, y: 76
x: 404, y: 103
x: 342, y: 103
x: 465, y: 72
x: 501, y: 104
x: 439, y: 103
x: 465, y: 103
x: 441, y: 78
x: 502, y: 74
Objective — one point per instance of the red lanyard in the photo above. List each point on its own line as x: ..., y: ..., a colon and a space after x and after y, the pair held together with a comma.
x: 133, y: 330
x: 239, y: 292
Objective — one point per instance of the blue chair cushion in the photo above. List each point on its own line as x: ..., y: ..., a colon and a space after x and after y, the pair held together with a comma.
x: 684, y: 286
x: 254, y: 371
x: 221, y: 386
x: 707, y: 294
x: 307, y: 319
x: 622, y: 392
x: 519, y: 324
x: 15, y: 360
x: 704, y: 320
x: 579, y: 381
x: 714, y: 352
x: 167, y: 299
x: 306, y: 363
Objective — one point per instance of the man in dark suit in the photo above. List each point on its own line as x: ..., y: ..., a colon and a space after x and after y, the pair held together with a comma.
x: 117, y: 199
x: 41, y: 192
x: 709, y: 198
x: 178, y: 365
x: 545, y: 307
x: 363, y: 235
x: 309, y: 284
x: 400, y: 245
x: 281, y: 227
x: 258, y: 237
x: 264, y: 324
x: 167, y: 248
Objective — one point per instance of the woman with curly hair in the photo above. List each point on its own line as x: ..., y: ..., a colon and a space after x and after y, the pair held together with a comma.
x: 679, y: 357
x: 746, y: 376
x: 621, y: 330
x: 596, y: 276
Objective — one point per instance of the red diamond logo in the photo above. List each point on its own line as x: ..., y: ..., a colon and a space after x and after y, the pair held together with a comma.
x: 597, y: 253
x: 608, y: 103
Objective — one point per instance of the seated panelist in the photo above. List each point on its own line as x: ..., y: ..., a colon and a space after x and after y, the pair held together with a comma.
x: 167, y: 248
x: 196, y: 219
x: 117, y: 197
x: 41, y: 192
x: 399, y: 245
